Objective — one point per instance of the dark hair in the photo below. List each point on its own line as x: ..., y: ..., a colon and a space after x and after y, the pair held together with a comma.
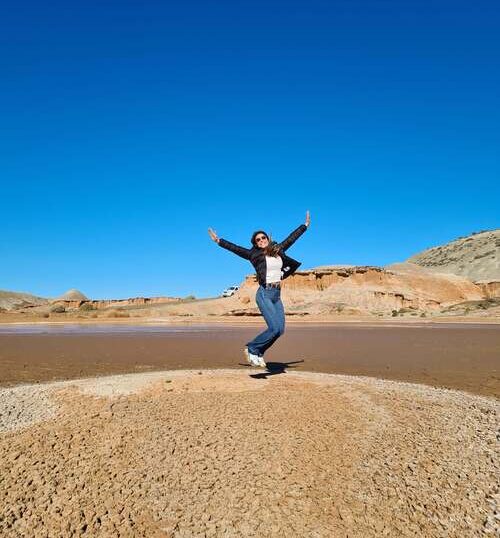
x: 255, y: 234
x: 272, y: 249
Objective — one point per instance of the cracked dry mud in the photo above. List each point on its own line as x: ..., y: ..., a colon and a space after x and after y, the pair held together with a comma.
x: 219, y: 453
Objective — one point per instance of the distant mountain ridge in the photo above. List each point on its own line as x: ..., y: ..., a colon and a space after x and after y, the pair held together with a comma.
x: 11, y: 299
x: 475, y: 257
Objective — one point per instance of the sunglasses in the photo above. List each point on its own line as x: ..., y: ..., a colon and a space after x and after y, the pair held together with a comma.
x: 260, y: 238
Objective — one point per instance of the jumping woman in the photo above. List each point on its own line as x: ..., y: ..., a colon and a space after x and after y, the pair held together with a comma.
x: 272, y: 265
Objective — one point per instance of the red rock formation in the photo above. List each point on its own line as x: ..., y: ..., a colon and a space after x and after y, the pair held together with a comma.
x: 371, y: 289
x: 107, y: 303
x: 491, y: 290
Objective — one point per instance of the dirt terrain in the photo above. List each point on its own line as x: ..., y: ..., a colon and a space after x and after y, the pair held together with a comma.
x: 220, y: 453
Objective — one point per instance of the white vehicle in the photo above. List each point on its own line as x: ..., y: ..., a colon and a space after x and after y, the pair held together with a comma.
x: 230, y: 291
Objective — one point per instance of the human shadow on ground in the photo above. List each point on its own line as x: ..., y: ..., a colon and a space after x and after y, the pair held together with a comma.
x: 274, y: 368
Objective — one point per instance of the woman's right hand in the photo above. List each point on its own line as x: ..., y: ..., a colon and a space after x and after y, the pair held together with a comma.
x: 213, y: 235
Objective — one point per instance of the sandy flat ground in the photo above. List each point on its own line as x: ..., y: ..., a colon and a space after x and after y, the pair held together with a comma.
x: 222, y: 453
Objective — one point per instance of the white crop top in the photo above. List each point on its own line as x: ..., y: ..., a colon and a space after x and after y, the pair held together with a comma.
x: 274, y: 266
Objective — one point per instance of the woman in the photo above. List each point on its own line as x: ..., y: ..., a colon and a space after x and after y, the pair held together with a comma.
x: 272, y: 266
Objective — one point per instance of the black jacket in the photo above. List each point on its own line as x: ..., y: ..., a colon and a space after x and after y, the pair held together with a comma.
x: 258, y: 258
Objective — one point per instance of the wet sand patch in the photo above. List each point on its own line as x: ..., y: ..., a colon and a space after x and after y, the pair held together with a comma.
x: 464, y: 357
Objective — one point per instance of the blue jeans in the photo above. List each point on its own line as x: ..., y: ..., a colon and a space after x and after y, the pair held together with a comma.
x: 271, y: 307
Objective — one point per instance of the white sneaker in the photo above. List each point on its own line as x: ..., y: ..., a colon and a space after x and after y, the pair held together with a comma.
x: 251, y: 358
x: 261, y: 362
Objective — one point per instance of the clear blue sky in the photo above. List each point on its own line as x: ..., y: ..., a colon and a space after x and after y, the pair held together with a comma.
x: 128, y: 128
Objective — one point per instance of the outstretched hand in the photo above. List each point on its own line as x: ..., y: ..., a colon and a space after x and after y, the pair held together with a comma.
x: 213, y: 235
x: 308, y: 219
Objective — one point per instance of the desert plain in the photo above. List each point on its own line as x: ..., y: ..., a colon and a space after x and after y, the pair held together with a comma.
x: 362, y: 434
x: 378, y: 414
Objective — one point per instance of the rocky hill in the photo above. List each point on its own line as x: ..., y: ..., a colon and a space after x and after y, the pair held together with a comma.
x: 476, y: 257
x: 371, y: 290
x: 72, y: 295
x: 10, y: 300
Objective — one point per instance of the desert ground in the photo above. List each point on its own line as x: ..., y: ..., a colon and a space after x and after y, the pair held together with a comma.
x: 194, y: 442
x: 234, y: 453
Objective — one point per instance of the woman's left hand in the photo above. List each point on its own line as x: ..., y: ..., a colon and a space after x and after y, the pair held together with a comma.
x: 308, y: 219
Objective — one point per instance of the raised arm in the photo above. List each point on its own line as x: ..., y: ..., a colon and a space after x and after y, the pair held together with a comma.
x: 239, y: 251
x: 290, y: 240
